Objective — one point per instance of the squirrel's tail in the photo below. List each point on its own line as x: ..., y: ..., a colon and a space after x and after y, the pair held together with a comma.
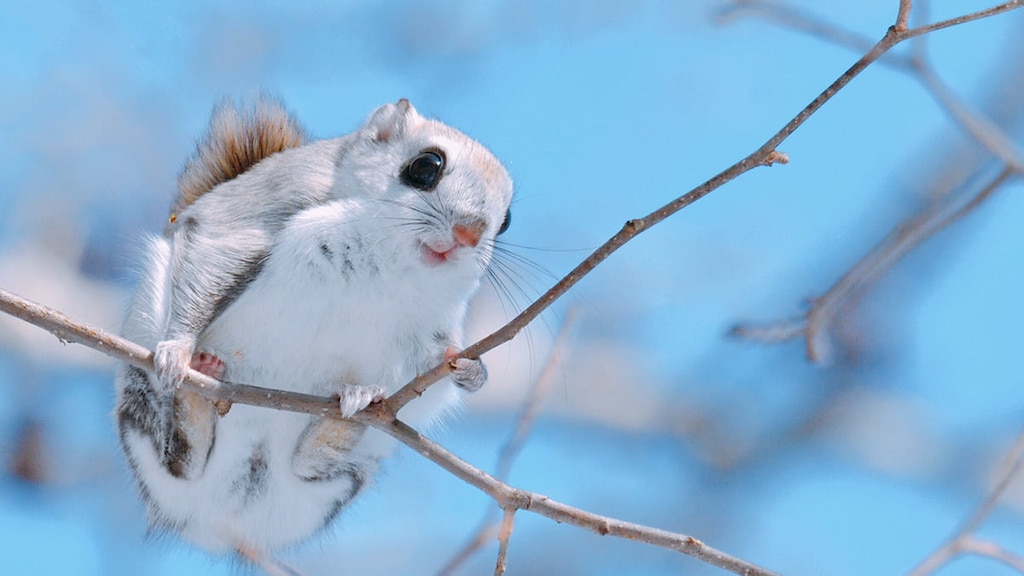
x: 239, y: 137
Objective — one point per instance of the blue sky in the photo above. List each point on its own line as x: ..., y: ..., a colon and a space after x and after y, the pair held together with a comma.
x: 602, y: 111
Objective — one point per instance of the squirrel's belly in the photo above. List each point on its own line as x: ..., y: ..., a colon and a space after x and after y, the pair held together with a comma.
x: 308, y: 337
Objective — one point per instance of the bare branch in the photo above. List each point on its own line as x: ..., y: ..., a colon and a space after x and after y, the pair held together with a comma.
x: 906, y: 236
x: 504, y: 535
x: 1011, y: 467
x: 914, y: 230
x: 796, y: 19
x: 975, y: 124
x: 272, y: 566
x: 903, y: 16
x: 506, y: 496
x: 765, y: 155
x: 965, y: 540
x: 993, y: 11
x: 538, y: 392
x: 971, y: 544
x: 487, y: 531
x: 534, y: 400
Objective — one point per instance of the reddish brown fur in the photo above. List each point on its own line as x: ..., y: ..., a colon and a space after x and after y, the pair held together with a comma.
x: 237, y: 140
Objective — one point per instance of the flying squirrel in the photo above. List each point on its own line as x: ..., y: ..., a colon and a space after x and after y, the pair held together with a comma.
x: 330, y: 267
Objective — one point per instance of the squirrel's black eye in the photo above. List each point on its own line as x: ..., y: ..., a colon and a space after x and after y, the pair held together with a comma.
x: 424, y: 171
x: 506, y: 221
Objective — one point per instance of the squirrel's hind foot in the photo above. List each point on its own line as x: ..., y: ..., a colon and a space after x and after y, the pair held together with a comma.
x: 470, y: 374
x: 208, y: 364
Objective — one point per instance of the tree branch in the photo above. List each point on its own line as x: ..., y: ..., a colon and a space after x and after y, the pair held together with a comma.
x: 765, y: 155
x: 965, y: 540
x: 912, y: 231
x: 906, y: 236
x: 513, y: 445
x: 977, y: 126
x: 509, y: 498
x: 504, y: 535
x: 988, y: 12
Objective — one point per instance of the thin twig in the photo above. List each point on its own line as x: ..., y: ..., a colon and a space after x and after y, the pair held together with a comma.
x: 903, y: 16
x: 964, y: 540
x: 506, y: 496
x: 980, y: 547
x: 988, y: 12
x: 70, y: 330
x: 1010, y: 468
x: 272, y: 566
x: 535, y: 397
x: 906, y: 236
x: 976, y: 125
x: 487, y: 531
x: 793, y: 18
x: 504, y: 535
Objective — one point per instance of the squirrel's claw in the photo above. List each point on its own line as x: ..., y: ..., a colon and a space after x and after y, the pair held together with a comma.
x: 208, y: 364
x: 470, y: 374
x: 355, y: 398
x: 171, y: 361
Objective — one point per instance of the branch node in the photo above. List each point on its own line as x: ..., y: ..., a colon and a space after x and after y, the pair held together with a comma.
x: 776, y: 157
x: 382, y: 411
x: 517, y: 500
x: 636, y: 225
x: 222, y: 406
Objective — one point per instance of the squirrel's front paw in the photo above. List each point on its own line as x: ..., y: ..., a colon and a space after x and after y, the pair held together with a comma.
x: 470, y: 374
x: 354, y: 398
x: 171, y: 361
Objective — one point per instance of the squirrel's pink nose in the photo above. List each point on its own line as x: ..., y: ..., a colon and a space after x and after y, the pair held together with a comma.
x: 467, y: 234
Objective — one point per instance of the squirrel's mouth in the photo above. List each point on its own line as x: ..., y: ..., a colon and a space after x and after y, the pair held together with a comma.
x: 437, y: 251
x: 437, y: 254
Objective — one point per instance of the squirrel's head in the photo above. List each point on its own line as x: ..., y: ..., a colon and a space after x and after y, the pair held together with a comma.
x: 446, y: 188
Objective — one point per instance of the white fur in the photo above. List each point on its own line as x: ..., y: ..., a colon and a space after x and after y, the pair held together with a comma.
x: 367, y: 316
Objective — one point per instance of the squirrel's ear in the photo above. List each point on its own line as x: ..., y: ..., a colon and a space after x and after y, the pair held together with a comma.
x: 389, y: 121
